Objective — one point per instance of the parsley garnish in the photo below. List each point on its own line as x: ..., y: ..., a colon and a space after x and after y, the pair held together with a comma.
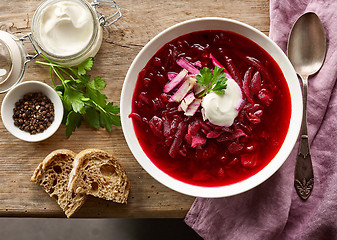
x: 215, y: 81
x: 81, y: 97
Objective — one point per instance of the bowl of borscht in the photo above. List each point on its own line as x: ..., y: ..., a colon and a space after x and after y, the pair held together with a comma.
x: 211, y: 107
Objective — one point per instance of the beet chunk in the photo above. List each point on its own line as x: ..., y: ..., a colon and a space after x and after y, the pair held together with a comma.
x: 198, y: 140
x: 157, y: 104
x: 156, y: 125
x: 265, y: 96
x: 144, y: 97
x: 233, y: 71
x: 178, y: 140
x: 248, y: 161
x: 234, y: 148
x: 194, y: 127
x: 246, y: 83
x: 255, y: 83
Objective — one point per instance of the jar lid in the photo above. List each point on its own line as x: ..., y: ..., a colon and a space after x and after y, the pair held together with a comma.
x: 12, y: 61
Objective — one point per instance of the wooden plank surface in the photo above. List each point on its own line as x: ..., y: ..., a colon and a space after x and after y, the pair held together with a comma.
x: 141, y: 21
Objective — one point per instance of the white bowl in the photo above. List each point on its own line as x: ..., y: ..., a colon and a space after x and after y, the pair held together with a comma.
x: 212, y: 24
x: 15, y: 95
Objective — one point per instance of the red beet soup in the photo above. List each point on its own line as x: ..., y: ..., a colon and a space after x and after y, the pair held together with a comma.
x: 198, y: 152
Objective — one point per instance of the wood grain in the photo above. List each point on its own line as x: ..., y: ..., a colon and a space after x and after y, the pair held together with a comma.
x: 141, y: 21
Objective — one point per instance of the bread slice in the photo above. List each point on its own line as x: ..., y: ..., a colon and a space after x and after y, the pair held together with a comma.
x: 98, y: 173
x: 52, y: 175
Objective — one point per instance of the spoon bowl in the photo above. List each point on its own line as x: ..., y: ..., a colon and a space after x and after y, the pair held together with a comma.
x: 306, y: 52
x: 307, y: 44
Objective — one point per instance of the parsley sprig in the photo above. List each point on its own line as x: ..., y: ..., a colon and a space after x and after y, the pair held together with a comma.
x: 215, y: 81
x: 81, y: 97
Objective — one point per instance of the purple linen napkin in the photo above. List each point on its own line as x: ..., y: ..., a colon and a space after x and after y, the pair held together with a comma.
x: 273, y: 210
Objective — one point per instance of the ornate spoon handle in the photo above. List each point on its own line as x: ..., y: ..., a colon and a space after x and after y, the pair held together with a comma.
x: 304, y: 175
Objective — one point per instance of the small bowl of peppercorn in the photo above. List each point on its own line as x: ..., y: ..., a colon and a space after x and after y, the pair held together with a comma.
x: 32, y: 111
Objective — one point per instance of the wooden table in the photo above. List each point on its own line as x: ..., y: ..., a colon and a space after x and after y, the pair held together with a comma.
x: 141, y: 21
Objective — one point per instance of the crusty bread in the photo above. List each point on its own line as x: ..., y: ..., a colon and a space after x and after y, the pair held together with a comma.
x: 52, y: 175
x: 98, y: 173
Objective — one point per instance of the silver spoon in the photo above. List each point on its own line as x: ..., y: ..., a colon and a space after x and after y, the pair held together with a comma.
x: 306, y: 52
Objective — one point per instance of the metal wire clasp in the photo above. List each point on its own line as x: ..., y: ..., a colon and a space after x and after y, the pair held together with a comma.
x: 30, y: 57
x: 107, y: 21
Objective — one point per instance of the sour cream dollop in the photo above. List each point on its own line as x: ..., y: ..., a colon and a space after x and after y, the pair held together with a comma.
x: 66, y: 28
x: 222, y: 109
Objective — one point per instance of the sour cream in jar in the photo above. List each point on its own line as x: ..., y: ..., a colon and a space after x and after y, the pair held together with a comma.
x: 67, y: 31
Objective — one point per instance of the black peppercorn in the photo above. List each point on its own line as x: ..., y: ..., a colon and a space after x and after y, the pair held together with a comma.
x: 33, y: 113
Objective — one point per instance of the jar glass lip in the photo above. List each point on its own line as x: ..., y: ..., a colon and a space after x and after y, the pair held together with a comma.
x: 35, y: 29
x: 12, y: 61
x: 6, y: 61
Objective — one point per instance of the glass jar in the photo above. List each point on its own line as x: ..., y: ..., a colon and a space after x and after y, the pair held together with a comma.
x: 13, y: 56
x: 90, y: 25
